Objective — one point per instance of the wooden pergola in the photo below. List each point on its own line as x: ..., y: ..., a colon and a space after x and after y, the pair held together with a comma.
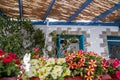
x: 66, y: 11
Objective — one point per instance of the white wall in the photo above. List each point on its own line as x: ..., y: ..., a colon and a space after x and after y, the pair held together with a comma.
x: 94, y: 40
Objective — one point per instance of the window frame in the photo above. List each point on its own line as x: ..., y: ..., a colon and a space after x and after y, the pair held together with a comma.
x: 80, y: 38
x: 112, y: 40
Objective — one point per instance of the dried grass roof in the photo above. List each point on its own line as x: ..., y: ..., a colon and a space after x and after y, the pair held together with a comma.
x: 62, y: 9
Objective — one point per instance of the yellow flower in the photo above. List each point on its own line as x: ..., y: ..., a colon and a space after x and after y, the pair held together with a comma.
x: 90, y: 70
x: 56, y: 74
x: 93, y: 63
x: 57, y: 68
x: 57, y: 71
x: 50, y: 61
x: 34, y: 62
x: 42, y: 73
x: 61, y: 60
x: 89, y: 77
x: 66, y: 73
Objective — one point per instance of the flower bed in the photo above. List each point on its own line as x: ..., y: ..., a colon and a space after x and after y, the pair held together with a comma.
x: 84, y: 65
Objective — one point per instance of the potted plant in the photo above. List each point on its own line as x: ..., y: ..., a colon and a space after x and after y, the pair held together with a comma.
x: 114, y: 69
x: 48, y: 69
x: 88, y: 65
x: 9, y: 66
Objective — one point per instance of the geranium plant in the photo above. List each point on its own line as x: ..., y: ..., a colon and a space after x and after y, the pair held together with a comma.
x: 87, y: 65
x: 9, y: 64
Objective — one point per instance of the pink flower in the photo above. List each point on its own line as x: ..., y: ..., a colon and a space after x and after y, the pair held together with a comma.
x: 118, y: 74
x: 36, y: 49
x: 116, y: 63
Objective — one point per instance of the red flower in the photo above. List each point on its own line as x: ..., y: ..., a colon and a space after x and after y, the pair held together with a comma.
x: 70, y: 65
x: 13, y: 56
x: 118, y: 74
x: 81, y: 52
x: 93, y: 63
x: 17, y: 62
x: 89, y: 77
x: 79, y: 55
x: 7, y: 59
x: 36, y: 56
x: 90, y: 70
x: 81, y: 62
x: 2, y: 52
x: 105, y: 63
x: 70, y: 57
x: 36, y: 49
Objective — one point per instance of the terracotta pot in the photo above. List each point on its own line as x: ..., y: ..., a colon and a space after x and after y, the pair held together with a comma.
x: 106, y: 77
x: 114, y: 77
x: 34, y: 78
x: 9, y: 78
x: 74, y: 78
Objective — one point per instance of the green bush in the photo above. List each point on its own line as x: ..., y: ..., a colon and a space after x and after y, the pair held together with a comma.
x: 19, y: 36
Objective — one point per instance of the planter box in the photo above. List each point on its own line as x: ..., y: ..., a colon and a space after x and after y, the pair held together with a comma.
x: 34, y: 78
x: 114, y: 77
x: 74, y: 78
x: 9, y: 78
x: 104, y: 77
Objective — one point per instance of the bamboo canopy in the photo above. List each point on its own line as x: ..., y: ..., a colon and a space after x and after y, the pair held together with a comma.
x: 61, y: 10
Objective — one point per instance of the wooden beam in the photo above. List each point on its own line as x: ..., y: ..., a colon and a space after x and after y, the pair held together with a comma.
x: 80, y: 10
x: 20, y: 8
x: 117, y: 6
x: 49, y: 9
x: 76, y: 23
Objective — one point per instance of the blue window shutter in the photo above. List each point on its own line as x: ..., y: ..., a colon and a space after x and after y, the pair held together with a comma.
x: 58, y: 45
x: 81, y: 42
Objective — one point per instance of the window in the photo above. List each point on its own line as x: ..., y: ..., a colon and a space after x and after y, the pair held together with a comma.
x: 114, y: 47
x: 76, y: 43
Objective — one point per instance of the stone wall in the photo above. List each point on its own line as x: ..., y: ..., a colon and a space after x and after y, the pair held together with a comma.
x: 95, y: 36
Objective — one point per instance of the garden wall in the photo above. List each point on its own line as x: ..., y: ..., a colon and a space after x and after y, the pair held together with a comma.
x: 95, y: 36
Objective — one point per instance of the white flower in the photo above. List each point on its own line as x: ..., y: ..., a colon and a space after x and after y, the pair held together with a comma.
x: 44, y: 72
x: 35, y: 67
x: 56, y: 72
x: 61, y: 60
x: 50, y: 61
x: 34, y: 62
x: 32, y: 72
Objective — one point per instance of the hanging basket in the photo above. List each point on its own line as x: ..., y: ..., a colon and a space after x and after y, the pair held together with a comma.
x: 9, y: 78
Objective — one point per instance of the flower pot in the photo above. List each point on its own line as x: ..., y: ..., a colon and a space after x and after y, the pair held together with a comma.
x: 9, y: 78
x: 106, y: 77
x: 114, y: 77
x: 74, y: 78
x: 34, y: 78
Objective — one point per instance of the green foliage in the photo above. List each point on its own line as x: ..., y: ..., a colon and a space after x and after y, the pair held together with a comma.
x: 39, y: 38
x: 19, y: 36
